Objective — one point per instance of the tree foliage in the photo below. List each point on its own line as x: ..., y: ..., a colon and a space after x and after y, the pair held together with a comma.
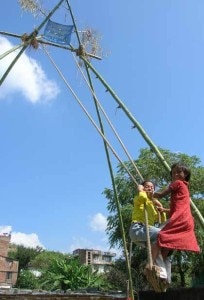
x: 55, y: 271
x: 27, y: 280
x: 44, y: 259
x: 24, y: 255
x: 68, y: 273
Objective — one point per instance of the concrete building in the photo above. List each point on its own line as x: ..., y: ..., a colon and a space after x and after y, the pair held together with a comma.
x: 8, y: 266
x: 99, y: 260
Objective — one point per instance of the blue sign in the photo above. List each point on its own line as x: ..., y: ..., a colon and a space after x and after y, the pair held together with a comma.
x: 58, y: 33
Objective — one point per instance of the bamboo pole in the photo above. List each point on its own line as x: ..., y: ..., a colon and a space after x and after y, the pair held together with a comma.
x: 74, y: 23
x: 130, y: 291
x: 10, y: 34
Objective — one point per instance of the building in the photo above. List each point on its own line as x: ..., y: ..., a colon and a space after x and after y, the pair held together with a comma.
x: 99, y: 260
x: 8, y: 266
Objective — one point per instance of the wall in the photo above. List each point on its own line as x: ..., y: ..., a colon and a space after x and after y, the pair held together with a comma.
x: 4, y: 244
x: 174, y: 294
x: 56, y: 297
x: 8, y: 266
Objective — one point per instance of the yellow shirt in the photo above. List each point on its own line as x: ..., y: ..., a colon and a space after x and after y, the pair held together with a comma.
x: 138, y: 214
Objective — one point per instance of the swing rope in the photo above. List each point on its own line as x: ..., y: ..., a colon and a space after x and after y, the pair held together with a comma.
x: 149, y: 254
x: 154, y: 281
x: 97, y: 103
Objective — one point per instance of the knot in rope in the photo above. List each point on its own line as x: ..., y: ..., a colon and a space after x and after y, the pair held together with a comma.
x: 81, y: 51
x: 30, y: 40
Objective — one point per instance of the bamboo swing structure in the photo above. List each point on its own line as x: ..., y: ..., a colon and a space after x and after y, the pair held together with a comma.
x: 32, y: 40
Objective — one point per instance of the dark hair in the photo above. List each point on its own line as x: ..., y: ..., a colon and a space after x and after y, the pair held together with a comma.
x: 182, y: 167
x: 145, y: 181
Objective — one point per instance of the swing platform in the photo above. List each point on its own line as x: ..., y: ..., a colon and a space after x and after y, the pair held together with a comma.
x: 159, y: 284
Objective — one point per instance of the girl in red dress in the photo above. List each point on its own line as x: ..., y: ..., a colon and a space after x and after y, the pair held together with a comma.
x: 178, y: 233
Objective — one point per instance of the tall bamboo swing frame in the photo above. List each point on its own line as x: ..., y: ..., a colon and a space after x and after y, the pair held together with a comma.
x: 82, y: 54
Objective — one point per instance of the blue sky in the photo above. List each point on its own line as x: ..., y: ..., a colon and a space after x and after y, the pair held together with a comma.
x: 53, y: 166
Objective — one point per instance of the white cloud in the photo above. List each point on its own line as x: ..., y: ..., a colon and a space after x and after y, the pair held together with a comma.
x: 26, y: 77
x: 98, y: 222
x: 5, y: 229
x: 27, y: 240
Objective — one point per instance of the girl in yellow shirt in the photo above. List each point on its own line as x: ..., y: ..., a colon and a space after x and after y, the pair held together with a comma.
x: 137, y: 230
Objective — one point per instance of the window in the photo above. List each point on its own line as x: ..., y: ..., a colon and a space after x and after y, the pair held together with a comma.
x: 89, y: 257
x: 107, y: 258
x: 10, y: 262
x: 9, y: 275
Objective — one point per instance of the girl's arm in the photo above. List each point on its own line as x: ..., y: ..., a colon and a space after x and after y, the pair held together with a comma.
x: 162, y: 193
x: 157, y: 203
x: 163, y: 209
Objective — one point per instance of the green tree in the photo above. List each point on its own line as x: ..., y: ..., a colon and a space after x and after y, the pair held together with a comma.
x: 24, y: 255
x: 151, y: 169
x: 44, y: 259
x: 27, y: 280
x: 116, y: 276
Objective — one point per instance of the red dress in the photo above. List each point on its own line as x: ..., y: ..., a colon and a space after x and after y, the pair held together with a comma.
x: 178, y: 233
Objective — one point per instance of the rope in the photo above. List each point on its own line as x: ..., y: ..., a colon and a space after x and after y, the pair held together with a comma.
x: 137, y: 171
x: 149, y: 253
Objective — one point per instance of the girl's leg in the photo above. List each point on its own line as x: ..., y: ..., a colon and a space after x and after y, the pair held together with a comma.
x: 155, y: 251
x: 164, y: 253
x: 153, y: 233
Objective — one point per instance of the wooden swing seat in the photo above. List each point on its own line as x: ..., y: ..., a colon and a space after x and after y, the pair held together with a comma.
x: 159, y: 284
